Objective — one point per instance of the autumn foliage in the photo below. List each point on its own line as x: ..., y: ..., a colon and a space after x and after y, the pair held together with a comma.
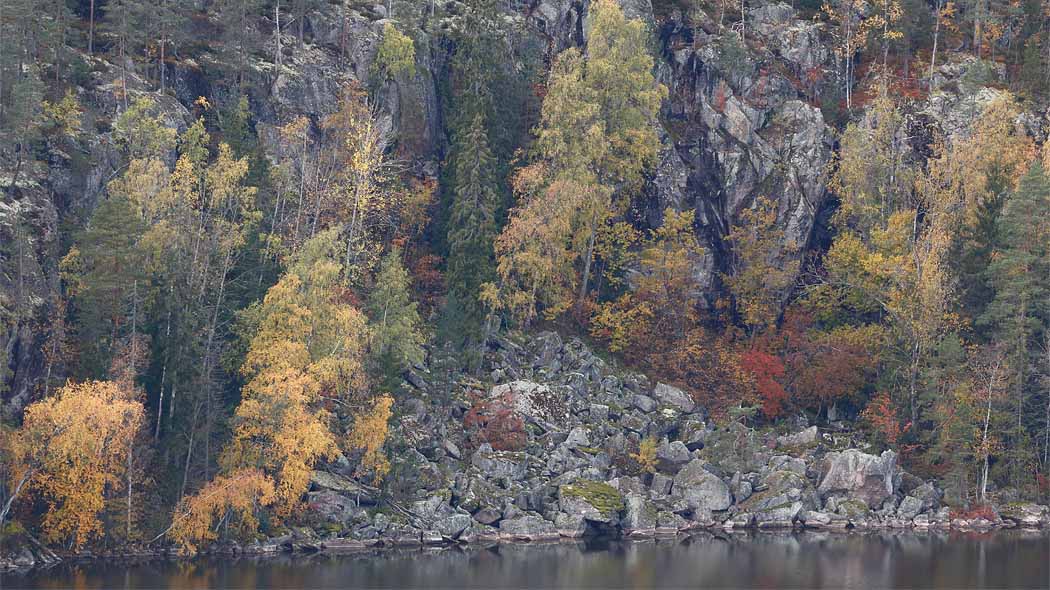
x: 767, y: 373
x: 226, y: 501
x: 71, y: 451
x: 495, y: 421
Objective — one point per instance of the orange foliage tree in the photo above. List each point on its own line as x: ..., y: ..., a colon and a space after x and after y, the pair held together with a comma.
x: 71, y: 449
x: 227, y: 499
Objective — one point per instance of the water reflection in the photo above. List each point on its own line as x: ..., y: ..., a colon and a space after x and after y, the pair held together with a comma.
x: 809, y: 560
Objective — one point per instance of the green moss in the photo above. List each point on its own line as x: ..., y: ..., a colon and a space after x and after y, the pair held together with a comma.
x: 853, y: 508
x: 589, y: 450
x: 602, y: 496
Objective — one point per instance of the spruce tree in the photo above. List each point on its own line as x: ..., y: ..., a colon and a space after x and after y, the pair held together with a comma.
x: 1020, y: 274
x: 397, y: 337
x: 472, y: 223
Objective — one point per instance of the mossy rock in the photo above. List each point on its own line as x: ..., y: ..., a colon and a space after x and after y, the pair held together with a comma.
x: 605, y: 498
x: 853, y: 508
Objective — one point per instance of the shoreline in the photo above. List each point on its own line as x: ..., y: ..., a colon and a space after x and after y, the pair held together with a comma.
x: 338, y: 546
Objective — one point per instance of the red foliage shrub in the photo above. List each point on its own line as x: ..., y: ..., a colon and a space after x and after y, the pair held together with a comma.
x: 767, y: 371
x: 881, y: 415
x: 984, y: 511
x: 495, y: 421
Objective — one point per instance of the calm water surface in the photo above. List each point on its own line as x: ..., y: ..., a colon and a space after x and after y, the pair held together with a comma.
x: 808, y: 560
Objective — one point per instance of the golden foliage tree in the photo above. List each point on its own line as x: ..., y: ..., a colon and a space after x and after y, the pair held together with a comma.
x: 369, y: 433
x: 308, y: 346
x: 233, y: 498
x: 763, y: 267
x: 594, y: 139
x: 71, y: 449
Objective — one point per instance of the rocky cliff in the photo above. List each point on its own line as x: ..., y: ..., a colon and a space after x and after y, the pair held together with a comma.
x: 743, y: 120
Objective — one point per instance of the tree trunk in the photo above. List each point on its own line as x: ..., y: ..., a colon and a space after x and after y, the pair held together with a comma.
x: 936, y: 36
x: 91, y: 27
x: 588, y: 259
x: 14, y: 494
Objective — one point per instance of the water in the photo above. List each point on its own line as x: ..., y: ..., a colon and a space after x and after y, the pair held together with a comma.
x: 808, y: 560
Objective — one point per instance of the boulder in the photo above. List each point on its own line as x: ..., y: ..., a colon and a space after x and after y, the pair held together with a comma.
x: 701, y: 489
x: 860, y: 476
x: 671, y: 457
x: 570, y: 526
x: 1026, y: 514
x: 594, y: 501
x: 488, y: 516
x: 929, y: 494
x: 497, y: 464
x: 528, y: 528
x: 779, y: 516
x: 451, y: 527
x: 327, y: 481
x: 644, y: 403
x: 578, y: 437
x: 332, y: 506
x: 799, y: 439
x: 674, y: 397
x: 640, y: 517
x: 533, y: 401
x: 909, y: 508
x: 661, y: 484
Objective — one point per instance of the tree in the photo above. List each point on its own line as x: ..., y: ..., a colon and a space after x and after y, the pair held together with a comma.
x: 228, y: 498
x: 306, y: 347
x: 395, y: 57
x: 71, y: 450
x: 594, y: 139
x: 397, y: 338
x: 472, y: 223
x: 760, y: 274
x: 1018, y: 272
x: 101, y: 272
x: 370, y: 433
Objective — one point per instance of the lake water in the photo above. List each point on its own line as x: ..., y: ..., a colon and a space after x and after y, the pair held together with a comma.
x: 1006, y: 559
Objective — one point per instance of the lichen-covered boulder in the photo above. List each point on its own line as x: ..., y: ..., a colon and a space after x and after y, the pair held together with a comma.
x: 533, y: 401
x: 671, y: 457
x: 595, y: 501
x: 1026, y: 514
x: 860, y: 476
x: 496, y: 464
x: 451, y: 527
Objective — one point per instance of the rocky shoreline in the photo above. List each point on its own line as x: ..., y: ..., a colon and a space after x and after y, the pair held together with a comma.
x: 575, y: 470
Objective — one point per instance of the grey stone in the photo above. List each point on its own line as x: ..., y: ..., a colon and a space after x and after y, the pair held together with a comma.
x: 701, y: 489
x: 495, y: 464
x: 640, y: 516
x: 909, y: 508
x: 577, y: 438
x: 674, y: 397
x: 528, y: 528
x: 452, y: 527
x: 781, y: 516
x: 488, y: 515
x: 644, y: 403
x: 860, y: 475
x: 661, y: 484
x: 671, y: 457
x: 799, y: 439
